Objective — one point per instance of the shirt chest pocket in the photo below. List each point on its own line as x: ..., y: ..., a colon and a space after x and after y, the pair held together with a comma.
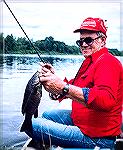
x: 87, y: 80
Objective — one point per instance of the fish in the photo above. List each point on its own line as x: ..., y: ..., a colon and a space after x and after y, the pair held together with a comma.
x: 31, y: 101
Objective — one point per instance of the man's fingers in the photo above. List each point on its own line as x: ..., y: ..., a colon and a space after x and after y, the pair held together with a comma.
x: 43, y: 79
x: 49, y: 67
x: 45, y: 69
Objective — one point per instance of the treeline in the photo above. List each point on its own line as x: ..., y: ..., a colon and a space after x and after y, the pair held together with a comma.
x: 20, y: 45
x: 115, y: 52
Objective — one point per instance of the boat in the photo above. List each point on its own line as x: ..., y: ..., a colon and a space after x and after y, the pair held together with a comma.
x: 30, y: 145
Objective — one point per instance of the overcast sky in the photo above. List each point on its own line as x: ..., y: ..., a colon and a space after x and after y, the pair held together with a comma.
x: 59, y: 20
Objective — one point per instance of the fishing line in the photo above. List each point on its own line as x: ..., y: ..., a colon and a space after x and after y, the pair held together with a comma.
x: 41, y: 59
x: 35, y: 51
x: 32, y: 43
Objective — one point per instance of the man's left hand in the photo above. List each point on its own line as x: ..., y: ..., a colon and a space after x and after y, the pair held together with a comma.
x: 51, y: 82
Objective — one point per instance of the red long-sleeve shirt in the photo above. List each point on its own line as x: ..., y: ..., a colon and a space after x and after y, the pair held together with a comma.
x: 104, y: 77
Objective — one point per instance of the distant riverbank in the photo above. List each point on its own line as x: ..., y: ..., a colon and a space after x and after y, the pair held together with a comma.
x: 48, y: 46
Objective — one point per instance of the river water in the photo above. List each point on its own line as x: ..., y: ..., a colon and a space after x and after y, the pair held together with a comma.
x: 15, y: 71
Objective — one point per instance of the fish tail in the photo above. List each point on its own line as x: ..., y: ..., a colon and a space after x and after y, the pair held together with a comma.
x: 36, y: 113
x: 27, y: 125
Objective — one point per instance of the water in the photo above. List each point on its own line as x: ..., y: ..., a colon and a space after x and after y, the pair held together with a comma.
x: 15, y: 71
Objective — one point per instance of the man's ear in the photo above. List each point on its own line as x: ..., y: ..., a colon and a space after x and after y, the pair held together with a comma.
x: 103, y: 41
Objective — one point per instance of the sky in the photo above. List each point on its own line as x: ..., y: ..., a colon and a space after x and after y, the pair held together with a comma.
x: 60, y: 19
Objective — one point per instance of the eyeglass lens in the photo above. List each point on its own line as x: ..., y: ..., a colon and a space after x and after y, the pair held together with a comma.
x: 87, y: 40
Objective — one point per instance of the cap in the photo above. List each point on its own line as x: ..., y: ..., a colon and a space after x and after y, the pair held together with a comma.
x: 92, y: 24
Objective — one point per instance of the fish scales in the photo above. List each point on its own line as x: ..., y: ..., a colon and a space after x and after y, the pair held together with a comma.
x: 31, y: 101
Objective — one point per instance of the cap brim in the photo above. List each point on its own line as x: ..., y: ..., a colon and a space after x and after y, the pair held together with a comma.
x: 77, y: 30
x: 86, y: 29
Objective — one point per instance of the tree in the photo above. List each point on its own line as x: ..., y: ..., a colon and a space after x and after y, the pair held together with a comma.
x: 24, y: 47
x: 10, y: 44
x: 1, y: 43
x: 46, y: 46
x: 115, y: 52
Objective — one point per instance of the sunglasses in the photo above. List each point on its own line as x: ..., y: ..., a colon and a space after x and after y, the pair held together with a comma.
x: 88, y: 40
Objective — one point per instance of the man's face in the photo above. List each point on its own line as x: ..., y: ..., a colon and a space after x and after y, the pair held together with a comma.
x: 94, y: 45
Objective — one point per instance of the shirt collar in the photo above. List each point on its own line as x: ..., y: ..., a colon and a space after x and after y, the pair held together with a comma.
x: 96, y: 55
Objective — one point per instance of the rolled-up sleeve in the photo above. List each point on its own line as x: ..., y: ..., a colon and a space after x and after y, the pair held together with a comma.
x: 103, y: 95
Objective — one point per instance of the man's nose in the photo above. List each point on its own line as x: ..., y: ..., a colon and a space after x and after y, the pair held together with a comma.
x: 84, y: 44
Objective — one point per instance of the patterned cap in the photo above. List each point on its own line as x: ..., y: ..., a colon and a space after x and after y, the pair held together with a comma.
x: 92, y: 24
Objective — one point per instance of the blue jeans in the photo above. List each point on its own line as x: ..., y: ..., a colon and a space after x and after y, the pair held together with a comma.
x: 56, y: 127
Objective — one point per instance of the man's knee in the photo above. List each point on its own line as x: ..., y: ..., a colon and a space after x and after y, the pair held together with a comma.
x: 48, y: 114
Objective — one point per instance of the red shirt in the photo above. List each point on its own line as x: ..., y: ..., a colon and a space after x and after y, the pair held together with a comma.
x: 104, y: 76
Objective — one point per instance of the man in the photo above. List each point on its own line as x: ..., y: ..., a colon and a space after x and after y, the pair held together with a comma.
x: 96, y: 93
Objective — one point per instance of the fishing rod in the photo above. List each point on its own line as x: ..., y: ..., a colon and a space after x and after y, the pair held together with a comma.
x: 30, y: 40
x: 24, y: 32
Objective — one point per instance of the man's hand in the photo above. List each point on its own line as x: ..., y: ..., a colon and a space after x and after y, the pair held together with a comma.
x: 46, y: 67
x: 50, y: 81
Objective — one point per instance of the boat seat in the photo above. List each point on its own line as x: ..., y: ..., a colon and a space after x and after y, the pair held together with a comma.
x: 119, y: 140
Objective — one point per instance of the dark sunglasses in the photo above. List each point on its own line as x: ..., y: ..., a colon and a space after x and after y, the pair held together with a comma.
x: 87, y: 40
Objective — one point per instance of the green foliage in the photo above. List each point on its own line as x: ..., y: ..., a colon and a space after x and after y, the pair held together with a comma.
x: 10, y: 44
x: 1, y: 43
x: 115, y: 52
x: 47, y: 46
x: 23, y: 46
